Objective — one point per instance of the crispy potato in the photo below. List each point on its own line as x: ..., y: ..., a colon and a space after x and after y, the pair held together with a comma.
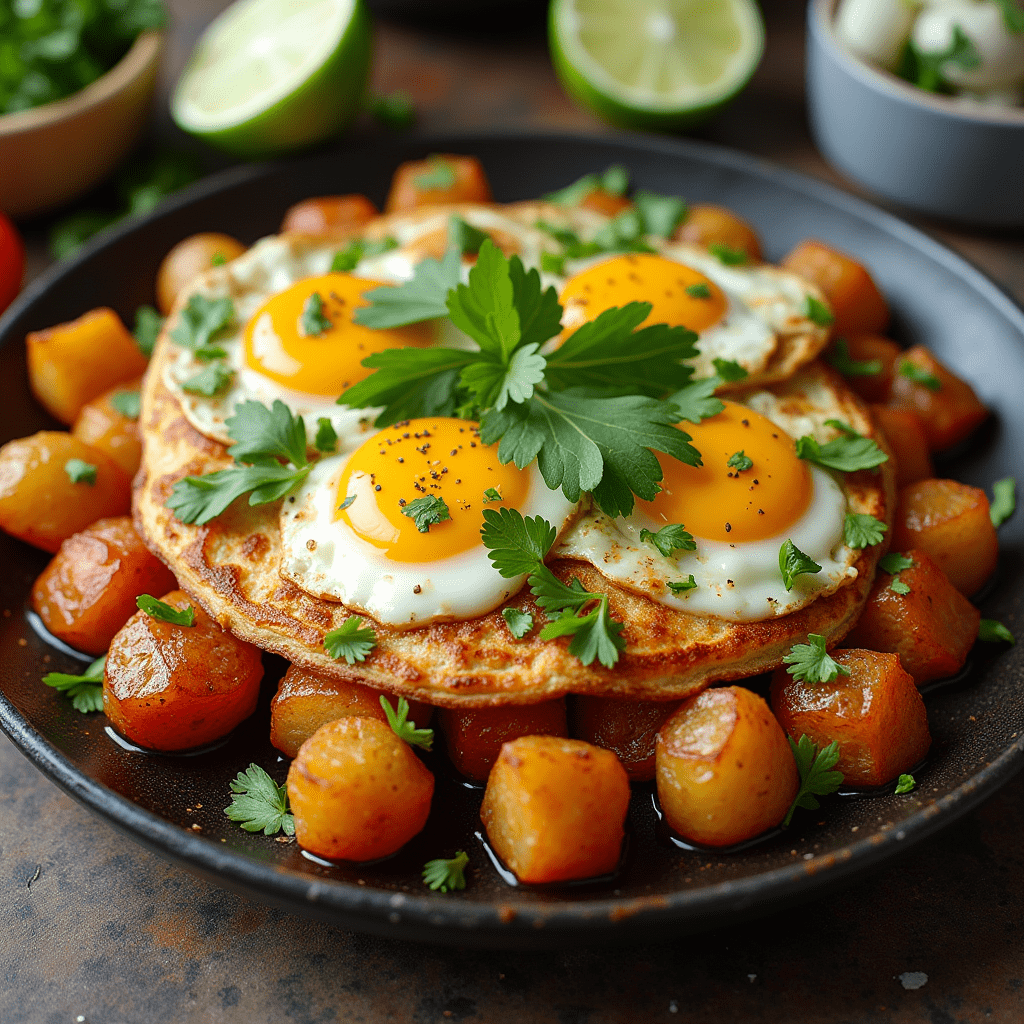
x: 707, y: 225
x: 857, y: 304
x: 188, y: 259
x: 951, y: 523
x: 441, y: 178
x: 474, y: 736
x: 950, y: 412
x: 357, y: 791
x: 907, y: 443
x: 88, y: 591
x: 305, y: 700
x: 932, y: 627
x: 73, y: 363
x: 329, y: 216
x: 628, y: 728
x: 169, y: 687
x: 555, y: 809
x: 40, y: 504
x: 871, y: 348
x: 105, y: 427
x: 724, y: 768
x: 602, y: 201
x: 875, y: 714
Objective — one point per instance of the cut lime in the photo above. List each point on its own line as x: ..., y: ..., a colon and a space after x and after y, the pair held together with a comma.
x: 657, y: 64
x: 272, y: 76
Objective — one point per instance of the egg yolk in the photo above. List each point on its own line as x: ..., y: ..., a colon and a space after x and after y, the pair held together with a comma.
x: 305, y: 338
x: 416, y: 459
x: 734, y: 503
x: 679, y: 296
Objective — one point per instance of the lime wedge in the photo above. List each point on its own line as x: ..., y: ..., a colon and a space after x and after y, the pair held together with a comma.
x: 657, y: 64
x: 271, y: 76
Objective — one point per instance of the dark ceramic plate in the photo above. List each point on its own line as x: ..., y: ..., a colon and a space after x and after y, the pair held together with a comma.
x: 174, y: 805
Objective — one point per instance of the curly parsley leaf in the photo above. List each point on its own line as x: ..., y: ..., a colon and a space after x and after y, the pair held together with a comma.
x: 905, y: 784
x: 818, y: 313
x: 811, y: 662
x: 314, y: 321
x: 464, y: 237
x: 85, y: 691
x: 728, y: 255
x: 661, y: 215
x: 839, y: 358
x: 210, y: 381
x: 423, y: 297
x: 1004, y: 500
x: 847, y: 454
x: 862, y: 531
x: 427, y: 511
x: 156, y: 609
x: 402, y: 727
x: 127, y: 403
x: 519, y: 622
x: 740, y: 461
x: 201, y: 320
x: 729, y: 370
x: 681, y: 586
x: 670, y: 538
x: 991, y: 631
x: 697, y: 400
x: 351, y: 640
x: 439, y: 175
x: 793, y: 562
x: 259, y: 804
x: 446, y: 875
x: 148, y: 325
x: 326, y: 439
x: 347, y: 259
x: 816, y: 775
x: 918, y: 374
x: 81, y: 472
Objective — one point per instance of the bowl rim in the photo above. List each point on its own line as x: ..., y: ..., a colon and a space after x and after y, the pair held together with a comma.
x: 141, y: 55
x: 821, y: 24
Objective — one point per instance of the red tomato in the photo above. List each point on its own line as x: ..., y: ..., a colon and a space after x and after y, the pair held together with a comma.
x: 12, y: 262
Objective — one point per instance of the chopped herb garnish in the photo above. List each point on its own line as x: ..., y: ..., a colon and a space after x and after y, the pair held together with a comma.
x: 209, y: 381
x: 848, y: 453
x: 127, y: 403
x: 615, y: 181
x: 359, y: 249
x: 740, y: 461
x: 80, y: 472
x: 905, y: 784
x: 492, y: 494
x: 894, y: 562
x: 1004, y: 500
x: 697, y: 401
x: 446, y: 875
x: 861, y: 530
x: 1013, y: 15
x: 793, y: 562
x: 218, y: 259
x: 326, y: 439
x: 897, y: 586
x: 164, y: 612
x: 519, y: 622
x: 85, y: 691
x: 669, y: 538
x: 345, y: 504
x: 202, y: 320
x: 464, y: 237
x: 314, y: 321
x: 403, y: 728
x: 840, y: 359
x: 729, y: 370
x: 395, y: 110
x: 552, y: 263
x: 698, y: 291
x: 918, y: 374
x: 924, y: 68
x: 728, y: 255
x: 427, y: 511
x: 681, y: 586
x: 818, y: 313
x: 661, y: 215
x: 439, y: 175
x: 148, y: 324
x: 351, y: 640
x: 816, y: 775
x: 259, y: 804
x: 992, y: 631
x: 811, y: 662
x: 423, y: 297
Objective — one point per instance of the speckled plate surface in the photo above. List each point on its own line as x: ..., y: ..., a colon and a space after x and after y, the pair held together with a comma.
x: 174, y: 805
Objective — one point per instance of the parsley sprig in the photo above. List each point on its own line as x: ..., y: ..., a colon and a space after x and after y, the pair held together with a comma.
x: 1004, y: 500
x: 351, y: 640
x: 793, y: 562
x: 816, y: 775
x: 847, y: 453
x: 670, y: 538
x: 446, y: 875
x: 85, y: 691
x: 165, y: 612
x: 841, y: 360
x: 201, y: 321
x: 428, y: 511
x: 402, y: 727
x: 894, y: 563
x: 811, y: 662
x: 861, y: 530
x: 259, y: 804
x: 519, y: 622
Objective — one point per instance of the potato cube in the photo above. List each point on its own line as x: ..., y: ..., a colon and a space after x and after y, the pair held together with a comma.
x: 932, y: 626
x: 103, y: 425
x: 555, y: 809
x: 357, y: 791
x: 875, y: 714
x: 628, y: 728
x: 907, y: 442
x: 725, y: 770
x: 708, y: 225
x: 441, y: 178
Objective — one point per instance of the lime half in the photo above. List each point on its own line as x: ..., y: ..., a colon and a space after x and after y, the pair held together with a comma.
x: 657, y: 64
x: 272, y: 76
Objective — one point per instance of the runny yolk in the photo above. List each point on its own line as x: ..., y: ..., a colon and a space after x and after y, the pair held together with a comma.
x: 320, y: 357
x: 417, y: 458
x: 720, y: 502
x: 680, y: 296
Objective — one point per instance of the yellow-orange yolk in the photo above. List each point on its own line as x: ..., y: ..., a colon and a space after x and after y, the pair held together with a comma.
x: 679, y: 296
x: 325, y: 359
x: 720, y: 502
x: 416, y: 458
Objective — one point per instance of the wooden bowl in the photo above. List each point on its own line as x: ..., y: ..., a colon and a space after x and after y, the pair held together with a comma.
x: 52, y: 153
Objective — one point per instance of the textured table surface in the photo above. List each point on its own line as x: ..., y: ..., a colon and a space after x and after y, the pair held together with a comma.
x: 93, y: 928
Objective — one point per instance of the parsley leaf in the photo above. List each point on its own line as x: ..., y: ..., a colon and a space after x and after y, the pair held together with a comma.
x: 552, y: 263
x: 127, y: 403
x: 395, y: 111
x: 697, y: 400
x: 1004, y: 500
x: 924, y: 68
x: 439, y: 175
x: 863, y: 531
x: 740, y: 461
x: 729, y: 370
x: 259, y: 804
x: 670, y: 538
x: 218, y: 259
x: 519, y: 622
x: 729, y: 256
x: 80, y: 472
x: 516, y: 545
x: 201, y: 320
x: 423, y: 297
x: 464, y: 237
x: 347, y: 259
x: 681, y: 586
x: 614, y: 180
x: 1013, y: 16
x: 85, y: 691
x: 905, y: 784
x: 492, y: 494
x: 661, y: 215
x: 899, y: 587
x: 818, y: 313
x: 210, y: 381
x: 698, y: 291
x: 918, y: 374
x: 894, y: 562
x: 623, y: 233
x: 446, y: 875
x: 816, y: 775
x: 403, y: 728
x: 165, y: 612
x: 427, y: 511
x: 993, y: 632
x: 326, y: 439
x: 811, y: 662
x: 314, y: 321
x: 148, y: 324
x: 846, y: 454
x: 839, y: 359
x: 793, y: 562
x: 350, y: 641
x: 345, y: 504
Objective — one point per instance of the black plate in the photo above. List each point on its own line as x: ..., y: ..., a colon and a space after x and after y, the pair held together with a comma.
x: 977, y: 724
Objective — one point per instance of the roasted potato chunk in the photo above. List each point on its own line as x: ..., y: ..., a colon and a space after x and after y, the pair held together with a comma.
x: 945, y: 403
x: 875, y: 714
x: 603, y: 201
x: 441, y: 178
x: 724, y: 768
x: 188, y: 259
x: 868, y: 349
x: 41, y: 503
x: 306, y: 700
x: 73, y: 363
x: 103, y: 424
x: 88, y: 591
x: 706, y: 225
x: 628, y: 728
x: 951, y: 523
x: 907, y: 442
x: 474, y: 736
x: 932, y: 626
x: 170, y: 687
x: 357, y: 791
x: 555, y: 809
x: 329, y: 216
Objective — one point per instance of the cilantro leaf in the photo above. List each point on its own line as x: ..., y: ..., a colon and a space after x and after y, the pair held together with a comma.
x: 485, y: 308
x: 818, y: 313
x: 623, y: 233
x: 670, y: 538
x: 863, y: 531
x: 427, y: 511
x: 347, y: 259
x: 740, y: 461
x: 351, y: 640
x: 924, y: 68
x: 395, y: 111
x: 259, y: 804
x: 793, y: 562
x: 423, y: 297
x: 905, y: 784
x: 844, y: 427
x: 846, y: 454
x: 1004, y: 500
x: 166, y: 612
x: 816, y: 775
x: 1013, y: 15
x: 326, y: 439
x: 210, y: 381
x: 899, y: 587
x: 464, y: 237
x: 492, y: 494
x: 81, y: 472
x: 698, y: 291
x: 516, y: 545
x: 894, y: 562
x: 493, y: 384
x: 446, y: 875
x: 127, y: 403
x: 201, y: 320
x: 992, y: 631
x: 594, y: 636
x: 84, y: 691
x: 614, y: 180
x: 403, y: 728
x: 260, y: 432
x: 314, y: 321
x: 697, y: 400
x: 729, y: 370
x: 681, y: 586
x: 811, y: 662
x: 552, y: 263
x: 918, y: 374
x: 439, y: 175
x: 148, y: 324
x: 728, y: 255
x: 839, y: 359
x: 519, y: 622
x: 661, y: 215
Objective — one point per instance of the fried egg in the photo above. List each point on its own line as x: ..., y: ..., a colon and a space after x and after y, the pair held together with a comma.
x: 349, y: 534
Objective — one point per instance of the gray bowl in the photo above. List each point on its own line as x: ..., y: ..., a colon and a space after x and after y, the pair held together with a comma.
x: 913, y: 148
